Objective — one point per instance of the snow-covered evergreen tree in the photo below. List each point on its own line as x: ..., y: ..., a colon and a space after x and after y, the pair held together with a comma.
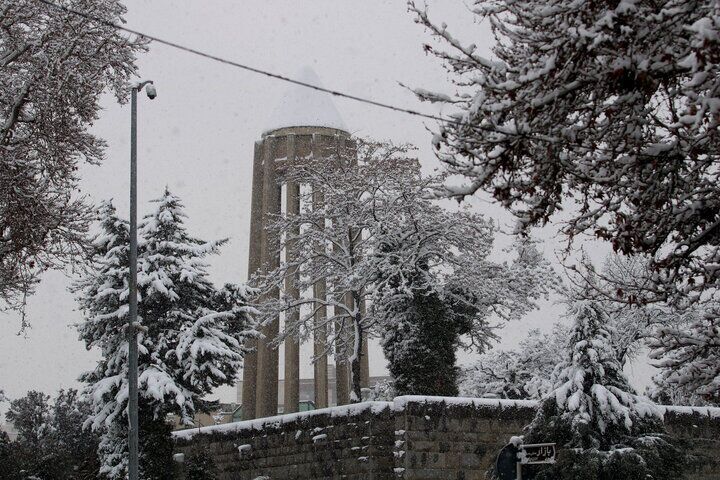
x: 611, y: 107
x: 592, y: 410
x: 192, y: 336
x: 103, y: 298
x: 183, y: 332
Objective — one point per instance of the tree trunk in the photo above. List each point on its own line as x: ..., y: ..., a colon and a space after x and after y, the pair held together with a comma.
x: 355, y: 369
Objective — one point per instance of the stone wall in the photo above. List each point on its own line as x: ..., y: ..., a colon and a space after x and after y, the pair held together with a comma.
x: 454, y: 438
x: 353, y: 442
x: 410, y: 438
x: 699, y: 430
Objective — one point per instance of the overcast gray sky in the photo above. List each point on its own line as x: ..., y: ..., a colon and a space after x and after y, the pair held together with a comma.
x: 197, y: 137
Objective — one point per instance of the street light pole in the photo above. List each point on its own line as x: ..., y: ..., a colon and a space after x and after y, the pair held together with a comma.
x: 132, y: 327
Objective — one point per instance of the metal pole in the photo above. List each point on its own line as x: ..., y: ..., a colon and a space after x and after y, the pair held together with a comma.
x: 132, y: 333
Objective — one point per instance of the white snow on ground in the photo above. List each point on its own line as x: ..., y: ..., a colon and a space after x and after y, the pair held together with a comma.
x: 305, y: 107
x: 398, y: 404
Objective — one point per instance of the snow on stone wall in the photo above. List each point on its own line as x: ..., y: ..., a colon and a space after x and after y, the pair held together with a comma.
x: 411, y: 437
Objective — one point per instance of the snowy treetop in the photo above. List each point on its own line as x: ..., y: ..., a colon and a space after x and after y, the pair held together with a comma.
x: 305, y: 107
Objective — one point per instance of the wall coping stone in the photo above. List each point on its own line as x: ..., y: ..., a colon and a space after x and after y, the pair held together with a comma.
x: 399, y: 404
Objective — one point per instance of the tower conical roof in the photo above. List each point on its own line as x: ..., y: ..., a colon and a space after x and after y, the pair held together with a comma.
x: 305, y: 107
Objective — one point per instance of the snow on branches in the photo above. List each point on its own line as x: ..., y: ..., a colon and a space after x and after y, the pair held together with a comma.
x: 525, y: 373
x: 689, y: 358
x: 611, y: 106
x: 192, y: 335
x: 53, y: 68
x: 367, y: 228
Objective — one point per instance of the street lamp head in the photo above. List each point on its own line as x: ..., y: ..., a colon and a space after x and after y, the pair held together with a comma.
x: 150, y: 90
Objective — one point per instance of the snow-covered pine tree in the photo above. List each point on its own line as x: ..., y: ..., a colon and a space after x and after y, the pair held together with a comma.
x: 606, y: 429
x: 611, y: 107
x: 102, y: 295
x: 195, y: 335
x: 192, y: 338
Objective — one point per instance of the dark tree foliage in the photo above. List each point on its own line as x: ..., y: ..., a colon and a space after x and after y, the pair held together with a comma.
x: 200, y: 466
x: 9, y: 458
x: 420, y: 348
x: 420, y: 343
x: 73, y: 447
x: 51, y: 443
x: 30, y: 415
x: 156, y: 446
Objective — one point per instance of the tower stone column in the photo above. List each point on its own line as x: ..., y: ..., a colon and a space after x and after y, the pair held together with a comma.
x: 249, y: 377
x: 320, y: 370
x: 261, y: 373
x: 292, y: 345
x: 266, y: 397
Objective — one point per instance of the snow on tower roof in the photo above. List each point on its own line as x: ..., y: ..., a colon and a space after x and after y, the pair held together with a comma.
x: 305, y: 107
